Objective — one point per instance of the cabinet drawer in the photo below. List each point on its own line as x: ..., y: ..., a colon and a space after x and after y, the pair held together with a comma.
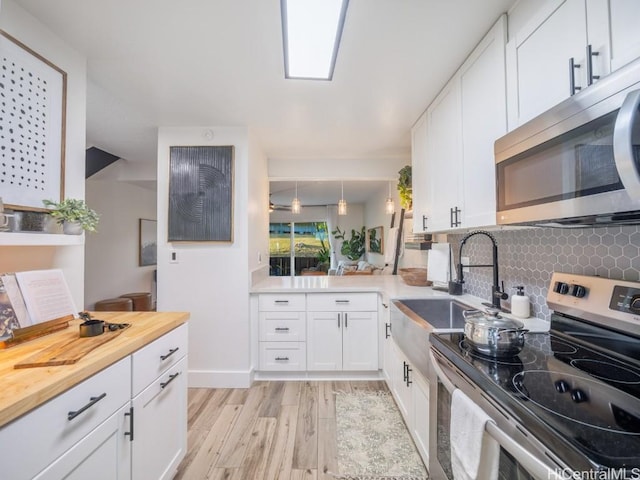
x: 279, y: 356
x: 45, y: 433
x: 275, y: 302
x: 282, y: 327
x: 153, y: 359
x: 342, y: 302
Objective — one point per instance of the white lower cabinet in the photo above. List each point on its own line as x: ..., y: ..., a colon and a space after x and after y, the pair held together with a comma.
x: 282, y: 332
x: 411, y: 393
x: 104, y: 428
x: 104, y: 454
x: 160, y: 412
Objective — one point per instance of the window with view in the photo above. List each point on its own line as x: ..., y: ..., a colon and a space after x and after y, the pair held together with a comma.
x: 305, y: 245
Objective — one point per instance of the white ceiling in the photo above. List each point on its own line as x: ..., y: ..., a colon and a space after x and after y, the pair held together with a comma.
x: 219, y: 63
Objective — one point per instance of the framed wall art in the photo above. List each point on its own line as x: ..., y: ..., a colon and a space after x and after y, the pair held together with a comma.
x: 32, y: 117
x: 201, y: 194
x: 148, y: 245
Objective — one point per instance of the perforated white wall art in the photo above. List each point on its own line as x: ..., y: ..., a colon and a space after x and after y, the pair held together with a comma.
x: 32, y: 115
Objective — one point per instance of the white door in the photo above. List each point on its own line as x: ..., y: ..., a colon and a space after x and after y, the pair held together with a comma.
x: 324, y: 340
x: 420, y: 418
x: 484, y: 119
x: 444, y: 156
x: 625, y: 34
x: 420, y: 175
x: 360, y: 341
x: 160, y: 425
x: 538, y: 59
x: 104, y: 454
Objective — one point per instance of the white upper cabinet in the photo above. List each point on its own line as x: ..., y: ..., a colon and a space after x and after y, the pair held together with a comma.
x: 420, y: 174
x: 462, y: 125
x: 599, y: 36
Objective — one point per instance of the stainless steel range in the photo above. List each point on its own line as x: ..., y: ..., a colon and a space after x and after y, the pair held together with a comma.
x: 569, y: 402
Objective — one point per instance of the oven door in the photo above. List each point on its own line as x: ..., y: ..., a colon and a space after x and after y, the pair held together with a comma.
x: 521, y: 456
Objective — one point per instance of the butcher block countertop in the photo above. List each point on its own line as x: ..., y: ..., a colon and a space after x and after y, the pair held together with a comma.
x: 25, y: 389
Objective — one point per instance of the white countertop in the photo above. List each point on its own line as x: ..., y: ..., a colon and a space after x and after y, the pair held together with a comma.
x: 389, y: 286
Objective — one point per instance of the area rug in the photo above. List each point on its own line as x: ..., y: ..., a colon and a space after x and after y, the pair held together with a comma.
x: 373, y: 441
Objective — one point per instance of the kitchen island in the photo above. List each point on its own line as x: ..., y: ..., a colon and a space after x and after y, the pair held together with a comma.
x: 79, y: 418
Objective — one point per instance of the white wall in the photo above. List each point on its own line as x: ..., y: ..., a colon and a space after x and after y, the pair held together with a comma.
x: 111, y: 254
x: 211, y: 280
x: 21, y: 25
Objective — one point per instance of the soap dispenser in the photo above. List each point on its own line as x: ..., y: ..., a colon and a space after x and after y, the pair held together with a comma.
x: 520, y: 303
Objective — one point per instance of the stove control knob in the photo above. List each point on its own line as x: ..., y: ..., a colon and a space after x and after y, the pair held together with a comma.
x: 634, y: 304
x: 578, y: 396
x: 578, y: 291
x: 562, y: 386
x: 561, y: 288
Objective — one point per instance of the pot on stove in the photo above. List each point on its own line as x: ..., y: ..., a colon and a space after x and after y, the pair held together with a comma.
x: 490, y: 334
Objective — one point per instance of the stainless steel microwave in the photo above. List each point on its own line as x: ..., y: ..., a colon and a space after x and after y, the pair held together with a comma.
x: 577, y: 164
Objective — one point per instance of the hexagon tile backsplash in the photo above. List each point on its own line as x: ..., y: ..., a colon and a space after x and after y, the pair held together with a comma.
x: 529, y: 256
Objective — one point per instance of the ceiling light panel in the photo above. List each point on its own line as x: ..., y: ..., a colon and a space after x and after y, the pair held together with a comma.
x: 311, y: 31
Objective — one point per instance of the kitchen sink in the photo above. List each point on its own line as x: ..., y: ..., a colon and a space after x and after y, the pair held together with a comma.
x: 439, y: 314
x: 413, y: 320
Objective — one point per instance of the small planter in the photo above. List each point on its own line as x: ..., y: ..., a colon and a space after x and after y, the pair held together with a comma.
x: 72, y: 228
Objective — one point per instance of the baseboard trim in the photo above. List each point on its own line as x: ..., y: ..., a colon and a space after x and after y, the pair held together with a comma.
x: 220, y: 379
x: 319, y: 376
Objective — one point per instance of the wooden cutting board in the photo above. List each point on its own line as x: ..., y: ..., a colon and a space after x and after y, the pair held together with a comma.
x: 68, y: 350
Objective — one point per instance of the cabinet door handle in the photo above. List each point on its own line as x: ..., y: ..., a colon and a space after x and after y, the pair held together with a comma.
x: 339, y: 320
x: 573, y: 88
x: 163, y: 385
x: 405, y: 372
x: 92, y: 402
x: 409, y: 370
x: 387, y: 330
x: 282, y: 329
x: 282, y: 359
x: 590, y: 76
x: 424, y: 222
x: 171, y: 352
x: 346, y: 320
x: 130, y: 432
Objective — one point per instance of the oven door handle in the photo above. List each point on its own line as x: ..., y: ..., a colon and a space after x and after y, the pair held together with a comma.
x: 531, y: 464
x: 623, y: 144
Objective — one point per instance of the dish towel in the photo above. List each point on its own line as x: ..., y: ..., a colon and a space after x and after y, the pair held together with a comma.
x: 392, y: 241
x: 474, y: 454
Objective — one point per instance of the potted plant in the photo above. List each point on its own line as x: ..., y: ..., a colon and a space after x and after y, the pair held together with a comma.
x: 74, y: 215
x: 404, y: 188
x: 353, y: 248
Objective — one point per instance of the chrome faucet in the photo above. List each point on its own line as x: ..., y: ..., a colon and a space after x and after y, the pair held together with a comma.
x: 497, y: 293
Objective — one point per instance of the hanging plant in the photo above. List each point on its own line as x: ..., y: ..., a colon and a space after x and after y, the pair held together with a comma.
x: 405, y: 188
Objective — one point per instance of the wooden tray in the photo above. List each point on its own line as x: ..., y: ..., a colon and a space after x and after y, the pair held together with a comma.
x: 68, y: 350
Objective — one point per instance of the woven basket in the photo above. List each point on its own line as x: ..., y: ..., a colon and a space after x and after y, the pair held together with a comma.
x: 416, y: 277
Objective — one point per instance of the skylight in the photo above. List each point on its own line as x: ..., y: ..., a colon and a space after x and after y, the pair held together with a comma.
x: 311, y: 31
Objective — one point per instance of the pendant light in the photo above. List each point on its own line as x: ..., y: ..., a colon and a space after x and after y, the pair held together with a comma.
x: 295, y: 203
x: 342, y: 204
x: 389, y: 206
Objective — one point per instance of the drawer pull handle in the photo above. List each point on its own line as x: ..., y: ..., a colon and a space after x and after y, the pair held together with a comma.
x: 171, y: 352
x: 171, y: 379
x: 342, y: 302
x: 130, y: 432
x: 282, y: 359
x: 281, y: 302
x: 92, y: 402
x: 282, y: 329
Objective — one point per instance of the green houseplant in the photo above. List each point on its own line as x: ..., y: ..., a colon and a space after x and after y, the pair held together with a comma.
x: 404, y: 187
x: 74, y: 215
x: 354, y: 247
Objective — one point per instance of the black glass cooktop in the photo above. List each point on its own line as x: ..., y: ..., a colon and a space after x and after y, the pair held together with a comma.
x: 567, y: 393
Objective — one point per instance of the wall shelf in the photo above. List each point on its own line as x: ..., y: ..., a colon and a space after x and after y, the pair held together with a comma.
x: 39, y: 239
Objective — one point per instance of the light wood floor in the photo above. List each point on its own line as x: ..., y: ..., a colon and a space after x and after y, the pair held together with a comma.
x: 273, y: 430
